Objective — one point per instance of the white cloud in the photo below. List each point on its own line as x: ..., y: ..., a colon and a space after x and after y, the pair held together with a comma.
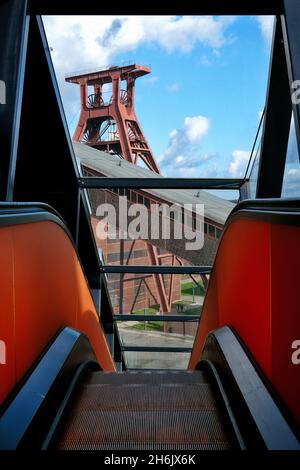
x: 80, y: 41
x: 266, y: 24
x: 196, y: 127
x: 216, y: 52
x: 294, y: 173
x: 173, y: 87
x: 151, y: 80
x: 238, y: 163
x: 205, y: 60
x: 292, y: 151
x: 86, y: 42
x: 291, y: 182
x: 183, y: 155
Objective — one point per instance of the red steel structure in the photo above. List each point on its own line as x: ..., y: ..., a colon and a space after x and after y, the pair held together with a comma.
x: 108, y: 122
x: 113, y: 115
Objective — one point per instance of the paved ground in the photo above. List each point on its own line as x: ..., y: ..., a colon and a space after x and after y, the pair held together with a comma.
x: 198, y: 299
x: 151, y: 360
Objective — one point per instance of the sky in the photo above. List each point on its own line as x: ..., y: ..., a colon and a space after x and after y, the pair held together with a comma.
x: 200, y: 106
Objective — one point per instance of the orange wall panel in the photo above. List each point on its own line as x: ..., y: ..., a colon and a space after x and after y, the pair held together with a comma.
x: 243, y: 272
x: 45, y: 287
x: 255, y: 289
x: 7, y: 313
x: 42, y: 290
x: 285, y: 298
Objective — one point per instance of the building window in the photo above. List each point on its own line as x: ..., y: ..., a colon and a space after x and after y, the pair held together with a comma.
x: 212, y: 231
x: 113, y: 257
x: 218, y: 232
x: 189, y: 221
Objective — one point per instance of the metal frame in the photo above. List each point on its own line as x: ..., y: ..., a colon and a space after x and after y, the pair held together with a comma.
x: 160, y: 183
x: 290, y: 26
x: 13, y: 37
x: 139, y: 269
x: 156, y: 349
x: 166, y: 318
x: 203, y: 7
x: 276, y: 123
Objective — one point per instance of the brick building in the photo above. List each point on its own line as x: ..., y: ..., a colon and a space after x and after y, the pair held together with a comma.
x: 132, y: 292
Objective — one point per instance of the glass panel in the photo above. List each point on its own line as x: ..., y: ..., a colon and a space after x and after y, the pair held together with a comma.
x: 197, y: 104
x: 151, y: 294
x: 291, y: 180
x: 159, y: 226
x: 140, y: 294
x: 248, y: 190
x: 252, y: 184
x: 158, y: 334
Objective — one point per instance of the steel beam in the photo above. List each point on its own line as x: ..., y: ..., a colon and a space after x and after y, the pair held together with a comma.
x: 276, y: 124
x: 158, y: 280
x: 164, y: 318
x: 156, y: 349
x: 13, y: 39
x: 161, y: 183
x: 155, y: 269
x: 291, y: 27
x: 203, y: 7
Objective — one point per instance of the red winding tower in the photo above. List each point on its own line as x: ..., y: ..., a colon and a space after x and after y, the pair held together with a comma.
x: 108, y: 121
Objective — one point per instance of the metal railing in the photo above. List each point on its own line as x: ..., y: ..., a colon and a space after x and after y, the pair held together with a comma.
x: 159, y: 182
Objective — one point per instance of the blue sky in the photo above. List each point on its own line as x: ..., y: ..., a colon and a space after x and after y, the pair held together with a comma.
x: 199, y: 108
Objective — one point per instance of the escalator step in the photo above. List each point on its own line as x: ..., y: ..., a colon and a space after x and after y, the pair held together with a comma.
x: 150, y: 411
x: 149, y: 377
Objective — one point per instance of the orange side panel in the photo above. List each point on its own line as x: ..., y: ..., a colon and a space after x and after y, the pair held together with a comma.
x: 285, y: 298
x: 254, y: 289
x: 45, y: 288
x: 50, y: 292
x: 243, y: 272
x: 7, y: 314
x: 209, y: 320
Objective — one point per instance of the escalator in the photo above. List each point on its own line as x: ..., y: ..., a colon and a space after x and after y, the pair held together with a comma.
x: 60, y: 388
x: 146, y: 410
x: 59, y: 344
x: 68, y: 403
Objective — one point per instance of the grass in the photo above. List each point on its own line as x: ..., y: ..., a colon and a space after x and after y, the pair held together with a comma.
x: 158, y: 325
x: 150, y: 326
x: 188, y: 287
x: 193, y: 311
x: 147, y: 311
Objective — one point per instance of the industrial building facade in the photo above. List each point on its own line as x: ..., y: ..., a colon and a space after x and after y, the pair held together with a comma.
x: 109, y: 142
x: 132, y: 292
